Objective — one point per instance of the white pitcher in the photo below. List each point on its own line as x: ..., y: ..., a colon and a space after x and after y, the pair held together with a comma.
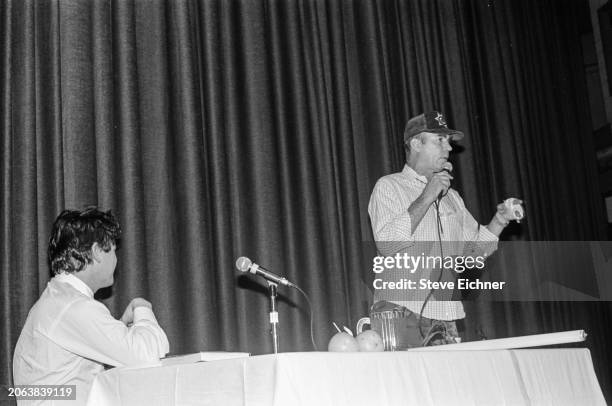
x: 384, y: 324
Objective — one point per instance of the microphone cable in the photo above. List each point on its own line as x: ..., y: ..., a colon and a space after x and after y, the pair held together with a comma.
x: 311, y: 314
x: 439, y: 228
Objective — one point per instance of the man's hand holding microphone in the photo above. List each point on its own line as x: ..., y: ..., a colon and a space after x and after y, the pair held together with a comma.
x: 438, y: 185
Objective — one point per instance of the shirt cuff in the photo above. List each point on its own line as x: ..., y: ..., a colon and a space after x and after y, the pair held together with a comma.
x: 486, y: 235
x: 487, y: 241
x: 144, y: 313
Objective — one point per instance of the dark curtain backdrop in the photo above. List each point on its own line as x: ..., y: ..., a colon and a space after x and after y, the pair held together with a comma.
x: 216, y: 129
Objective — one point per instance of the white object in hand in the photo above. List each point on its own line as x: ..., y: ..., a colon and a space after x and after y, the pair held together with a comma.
x: 515, y: 208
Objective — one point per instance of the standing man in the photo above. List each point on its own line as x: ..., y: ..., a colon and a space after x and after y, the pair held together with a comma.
x: 416, y: 212
x: 68, y: 336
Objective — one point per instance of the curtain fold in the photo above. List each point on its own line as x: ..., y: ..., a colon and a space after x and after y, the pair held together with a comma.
x: 219, y: 129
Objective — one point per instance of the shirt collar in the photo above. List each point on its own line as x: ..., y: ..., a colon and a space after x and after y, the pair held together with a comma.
x: 411, y: 175
x: 75, y: 282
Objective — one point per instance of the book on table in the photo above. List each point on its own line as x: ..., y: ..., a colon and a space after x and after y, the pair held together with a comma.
x: 203, y: 356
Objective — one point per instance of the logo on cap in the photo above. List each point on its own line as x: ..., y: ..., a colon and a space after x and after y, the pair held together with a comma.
x: 440, y: 119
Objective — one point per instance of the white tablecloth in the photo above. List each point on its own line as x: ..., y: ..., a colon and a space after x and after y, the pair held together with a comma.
x: 501, y: 377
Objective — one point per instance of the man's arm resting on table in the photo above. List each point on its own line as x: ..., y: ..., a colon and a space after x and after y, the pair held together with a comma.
x: 88, y: 329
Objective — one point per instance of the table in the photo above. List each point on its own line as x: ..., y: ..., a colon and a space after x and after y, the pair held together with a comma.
x: 496, y: 377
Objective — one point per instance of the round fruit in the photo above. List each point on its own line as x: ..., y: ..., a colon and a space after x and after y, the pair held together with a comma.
x: 370, y: 341
x: 343, y: 342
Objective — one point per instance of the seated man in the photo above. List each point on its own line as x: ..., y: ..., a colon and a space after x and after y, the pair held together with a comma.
x: 68, y: 336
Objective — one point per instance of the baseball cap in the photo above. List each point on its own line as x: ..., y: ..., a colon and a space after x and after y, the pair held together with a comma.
x: 431, y: 122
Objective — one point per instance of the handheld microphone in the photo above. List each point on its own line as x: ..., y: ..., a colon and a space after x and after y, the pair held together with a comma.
x: 442, y: 193
x: 243, y: 264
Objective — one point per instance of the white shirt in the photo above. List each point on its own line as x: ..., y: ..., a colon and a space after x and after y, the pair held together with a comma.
x: 69, y: 336
x: 391, y: 224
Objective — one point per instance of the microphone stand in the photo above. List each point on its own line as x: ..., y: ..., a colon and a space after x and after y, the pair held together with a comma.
x: 273, y: 315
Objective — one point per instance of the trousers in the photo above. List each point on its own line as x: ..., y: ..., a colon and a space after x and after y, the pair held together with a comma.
x: 404, y: 329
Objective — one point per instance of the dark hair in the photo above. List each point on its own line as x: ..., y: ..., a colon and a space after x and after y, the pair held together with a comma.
x: 73, y: 234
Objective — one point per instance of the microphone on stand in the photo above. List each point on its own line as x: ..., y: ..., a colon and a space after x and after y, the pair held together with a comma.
x: 246, y: 265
